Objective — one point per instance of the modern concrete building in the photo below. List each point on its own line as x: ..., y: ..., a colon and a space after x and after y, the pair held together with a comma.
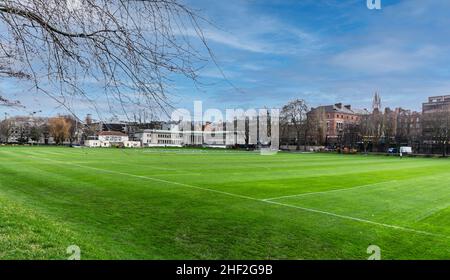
x: 436, y: 103
x: 174, y: 138
x: 160, y: 138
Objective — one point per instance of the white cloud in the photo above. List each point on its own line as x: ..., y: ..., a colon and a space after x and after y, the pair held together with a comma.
x: 385, y: 59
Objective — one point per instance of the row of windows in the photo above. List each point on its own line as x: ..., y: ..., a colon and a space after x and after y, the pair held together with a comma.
x: 167, y: 135
x: 344, y: 117
x: 170, y: 142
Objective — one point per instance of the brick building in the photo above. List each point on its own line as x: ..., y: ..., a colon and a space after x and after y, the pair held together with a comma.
x: 337, y: 117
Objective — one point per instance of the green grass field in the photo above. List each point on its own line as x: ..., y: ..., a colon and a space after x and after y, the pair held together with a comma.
x: 203, y: 204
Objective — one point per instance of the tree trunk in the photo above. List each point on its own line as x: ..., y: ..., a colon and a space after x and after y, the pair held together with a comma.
x: 306, y: 137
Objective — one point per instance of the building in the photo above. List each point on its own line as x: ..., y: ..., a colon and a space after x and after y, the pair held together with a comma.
x: 409, y: 123
x: 128, y: 127
x: 175, y: 138
x: 107, y: 139
x: 113, y: 137
x: 401, y: 126
x: 435, y: 114
x: 27, y: 130
x: 436, y: 103
x: 160, y: 138
x: 337, y: 117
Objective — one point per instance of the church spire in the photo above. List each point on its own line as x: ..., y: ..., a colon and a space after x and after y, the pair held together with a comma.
x: 376, y: 104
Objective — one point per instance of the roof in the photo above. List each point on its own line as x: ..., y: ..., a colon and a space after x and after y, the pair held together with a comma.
x: 111, y: 133
x: 360, y: 111
x: 344, y: 110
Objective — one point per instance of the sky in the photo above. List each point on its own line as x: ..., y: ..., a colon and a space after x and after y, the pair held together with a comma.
x: 323, y: 51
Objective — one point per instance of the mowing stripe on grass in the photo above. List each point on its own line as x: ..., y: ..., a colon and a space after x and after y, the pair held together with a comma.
x: 358, y: 219
x: 330, y: 191
x: 253, y: 199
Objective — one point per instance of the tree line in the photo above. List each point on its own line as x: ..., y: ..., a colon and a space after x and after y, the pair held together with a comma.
x: 61, y: 129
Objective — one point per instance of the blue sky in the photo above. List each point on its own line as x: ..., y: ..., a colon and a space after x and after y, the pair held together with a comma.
x: 324, y: 51
x: 327, y: 51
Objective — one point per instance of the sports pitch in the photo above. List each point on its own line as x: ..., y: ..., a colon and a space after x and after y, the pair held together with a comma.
x: 204, y: 204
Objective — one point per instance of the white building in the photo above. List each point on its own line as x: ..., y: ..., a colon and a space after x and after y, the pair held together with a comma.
x: 112, y: 137
x: 132, y: 144
x: 96, y: 144
x: 169, y: 138
x: 160, y: 138
x: 107, y: 139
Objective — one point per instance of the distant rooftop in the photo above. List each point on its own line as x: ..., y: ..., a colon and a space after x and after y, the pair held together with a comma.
x: 442, y: 98
x: 345, y: 109
x: 111, y: 133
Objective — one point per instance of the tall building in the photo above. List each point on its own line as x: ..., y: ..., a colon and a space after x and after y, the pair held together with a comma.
x: 432, y: 117
x: 436, y: 103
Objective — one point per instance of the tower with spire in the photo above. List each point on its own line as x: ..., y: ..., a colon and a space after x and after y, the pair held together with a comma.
x: 376, y: 104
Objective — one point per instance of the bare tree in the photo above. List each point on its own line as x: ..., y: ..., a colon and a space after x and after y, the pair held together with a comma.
x: 89, y: 128
x: 377, y: 120
x: 350, y: 135
x: 367, y: 131
x: 316, y: 126
x: 294, y: 114
x: 6, y: 127
x: 389, y: 126
x: 35, y: 133
x: 436, y: 126
x: 45, y: 129
x: 129, y: 48
x: 9, y: 103
x: 409, y: 129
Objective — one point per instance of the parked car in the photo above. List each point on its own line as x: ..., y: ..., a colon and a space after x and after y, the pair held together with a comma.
x: 392, y: 151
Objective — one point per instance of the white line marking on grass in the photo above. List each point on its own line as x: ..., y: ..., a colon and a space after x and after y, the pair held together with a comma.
x: 153, y: 167
x: 330, y: 191
x: 149, y: 178
x: 255, y: 199
x: 357, y: 219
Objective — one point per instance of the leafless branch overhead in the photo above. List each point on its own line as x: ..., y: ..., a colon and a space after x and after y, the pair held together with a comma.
x: 122, y: 46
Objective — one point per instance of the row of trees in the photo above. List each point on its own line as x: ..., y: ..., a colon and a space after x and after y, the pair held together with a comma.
x: 61, y: 129
x: 436, y: 131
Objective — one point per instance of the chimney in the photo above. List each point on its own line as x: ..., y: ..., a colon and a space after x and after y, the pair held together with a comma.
x: 339, y: 105
x: 348, y: 107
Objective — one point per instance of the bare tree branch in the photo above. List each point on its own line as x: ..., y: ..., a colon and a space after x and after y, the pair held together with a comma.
x: 131, y: 49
